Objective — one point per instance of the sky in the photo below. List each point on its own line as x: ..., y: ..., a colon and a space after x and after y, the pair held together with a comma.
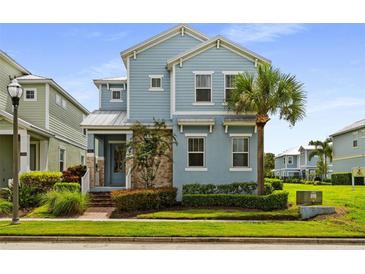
x: 329, y: 59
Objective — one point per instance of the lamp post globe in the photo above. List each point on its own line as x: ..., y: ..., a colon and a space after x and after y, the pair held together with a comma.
x: 15, y: 92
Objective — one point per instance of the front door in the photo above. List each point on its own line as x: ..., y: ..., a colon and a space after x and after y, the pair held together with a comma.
x: 117, y: 168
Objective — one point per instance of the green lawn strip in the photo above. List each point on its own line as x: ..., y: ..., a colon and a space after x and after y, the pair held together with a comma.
x: 223, y: 214
x: 40, y: 212
x: 164, y: 229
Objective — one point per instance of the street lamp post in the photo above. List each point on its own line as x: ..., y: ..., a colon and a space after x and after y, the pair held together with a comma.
x: 15, y: 91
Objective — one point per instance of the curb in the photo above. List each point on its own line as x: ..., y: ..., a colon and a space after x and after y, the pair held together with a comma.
x: 233, y: 240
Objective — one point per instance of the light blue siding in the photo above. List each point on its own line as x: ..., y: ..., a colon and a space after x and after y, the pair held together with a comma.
x: 106, y: 96
x: 343, y: 148
x: 218, y: 156
x: 213, y: 59
x: 154, y: 104
x: 279, y: 163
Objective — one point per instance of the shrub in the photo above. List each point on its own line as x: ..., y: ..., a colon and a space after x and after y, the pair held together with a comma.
x: 5, y: 207
x: 67, y: 186
x: 234, y: 188
x: 341, y: 178
x: 29, y: 196
x: 74, y: 173
x: 65, y: 203
x: 276, y: 200
x: 40, y: 180
x: 276, y: 184
x: 268, y: 189
x: 144, y: 199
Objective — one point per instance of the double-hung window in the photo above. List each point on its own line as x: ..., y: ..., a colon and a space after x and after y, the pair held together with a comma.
x: 203, y: 88
x: 62, y: 159
x: 355, y: 137
x: 30, y: 94
x: 116, y: 95
x: 58, y: 100
x: 196, y: 152
x: 229, y: 82
x: 240, y: 152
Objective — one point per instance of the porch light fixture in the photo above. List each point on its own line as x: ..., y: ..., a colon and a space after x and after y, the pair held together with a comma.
x: 15, y: 92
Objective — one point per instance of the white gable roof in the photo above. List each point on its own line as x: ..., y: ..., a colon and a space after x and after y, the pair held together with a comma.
x: 354, y: 126
x: 291, y: 151
x: 160, y: 38
x: 222, y: 42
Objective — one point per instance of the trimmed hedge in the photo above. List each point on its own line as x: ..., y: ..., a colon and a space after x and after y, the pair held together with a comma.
x: 144, y: 199
x: 41, y: 180
x: 277, y: 200
x: 276, y: 184
x: 341, y: 178
x: 69, y: 186
x: 234, y: 188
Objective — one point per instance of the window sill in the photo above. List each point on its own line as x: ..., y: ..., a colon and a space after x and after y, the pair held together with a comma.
x: 203, y: 104
x: 116, y: 101
x: 196, y: 169
x: 240, y: 169
x: 30, y: 100
x: 155, y: 89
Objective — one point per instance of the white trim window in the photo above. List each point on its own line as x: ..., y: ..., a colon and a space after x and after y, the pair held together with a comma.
x: 58, y: 100
x: 62, y: 159
x: 228, y: 85
x: 30, y: 94
x: 203, y: 88
x: 64, y: 103
x: 82, y: 159
x: 116, y: 95
x: 156, y: 82
x: 196, y: 152
x: 240, y: 152
x: 355, y: 137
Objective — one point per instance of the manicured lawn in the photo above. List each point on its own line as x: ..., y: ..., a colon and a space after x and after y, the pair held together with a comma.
x: 223, y: 214
x: 351, y: 224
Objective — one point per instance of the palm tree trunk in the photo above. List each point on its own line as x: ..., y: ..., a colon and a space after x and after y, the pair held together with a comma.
x: 260, y: 158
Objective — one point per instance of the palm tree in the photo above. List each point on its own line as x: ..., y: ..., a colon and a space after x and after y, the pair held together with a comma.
x: 324, y: 151
x: 267, y: 93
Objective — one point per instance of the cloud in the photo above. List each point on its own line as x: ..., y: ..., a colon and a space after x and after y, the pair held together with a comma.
x: 245, y: 33
x: 339, y: 104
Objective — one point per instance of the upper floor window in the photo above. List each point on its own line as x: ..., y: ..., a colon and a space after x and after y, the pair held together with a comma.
x: 30, y: 94
x: 354, y: 143
x: 64, y: 103
x: 196, y: 151
x: 203, y: 87
x: 116, y: 95
x: 58, y: 100
x: 229, y: 85
x: 62, y: 159
x: 290, y: 160
x: 156, y: 83
x: 355, y: 139
x: 240, y: 152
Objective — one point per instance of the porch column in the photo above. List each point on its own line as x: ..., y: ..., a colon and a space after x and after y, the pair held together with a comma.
x: 24, y: 151
x: 128, y: 165
x: 43, y: 155
x: 90, y: 158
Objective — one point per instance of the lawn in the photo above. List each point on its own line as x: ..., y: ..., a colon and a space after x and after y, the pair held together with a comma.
x: 351, y: 224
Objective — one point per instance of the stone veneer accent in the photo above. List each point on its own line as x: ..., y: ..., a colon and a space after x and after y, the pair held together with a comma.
x: 90, y: 163
x: 101, y: 171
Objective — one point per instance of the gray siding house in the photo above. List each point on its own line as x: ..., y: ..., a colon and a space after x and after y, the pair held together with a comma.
x: 183, y: 77
x: 49, y: 123
x: 349, y: 147
x: 295, y: 162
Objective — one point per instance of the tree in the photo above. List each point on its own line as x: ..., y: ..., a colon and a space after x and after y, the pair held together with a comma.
x: 269, y: 159
x: 266, y: 93
x: 324, y: 151
x: 147, y: 149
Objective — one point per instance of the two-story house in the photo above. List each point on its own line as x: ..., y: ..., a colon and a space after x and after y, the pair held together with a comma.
x: 49, y: 123
x: 183, y: 77
x: 295, y: 162
x: 349, y: 148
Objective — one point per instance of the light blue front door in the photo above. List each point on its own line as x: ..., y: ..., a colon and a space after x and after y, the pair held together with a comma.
x: 117, y: 161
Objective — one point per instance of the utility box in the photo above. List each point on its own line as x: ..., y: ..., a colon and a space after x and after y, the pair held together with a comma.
x: 306, y: 197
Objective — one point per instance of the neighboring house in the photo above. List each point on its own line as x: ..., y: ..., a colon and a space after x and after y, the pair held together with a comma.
x: 184, y: 78
x: 49, y: 123
x: 295, y: 162
x: 349, y: 148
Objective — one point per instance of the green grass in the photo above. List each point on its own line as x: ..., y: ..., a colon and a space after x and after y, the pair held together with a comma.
x: 223, y: 214
x: 351, y: 224
x: 41, y: 212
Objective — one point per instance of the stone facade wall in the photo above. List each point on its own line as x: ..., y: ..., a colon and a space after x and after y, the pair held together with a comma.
x: 101, y: 171
x: 90, y: 163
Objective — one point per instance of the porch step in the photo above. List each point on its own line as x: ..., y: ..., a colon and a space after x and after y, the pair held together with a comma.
x: 101, y: 199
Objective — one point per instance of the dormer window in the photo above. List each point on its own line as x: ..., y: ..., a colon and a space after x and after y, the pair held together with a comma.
x: 156, y: 83
x: 116, y: 95
x: 30, y: 94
